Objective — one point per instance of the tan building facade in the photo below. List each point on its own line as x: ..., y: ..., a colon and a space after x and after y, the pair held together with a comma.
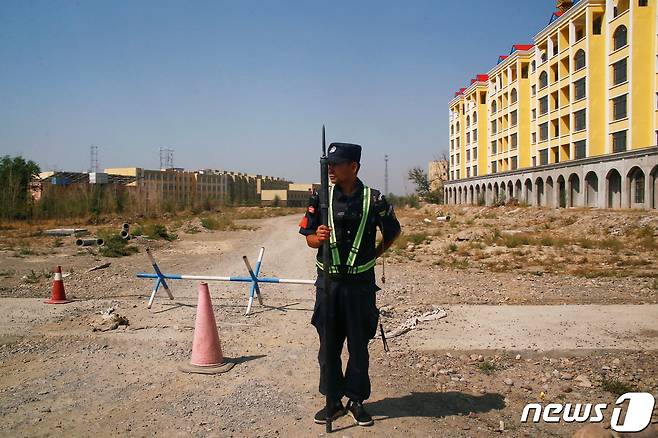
x: 207, y: 184
x: 585, y: 91
x: 437, y: 174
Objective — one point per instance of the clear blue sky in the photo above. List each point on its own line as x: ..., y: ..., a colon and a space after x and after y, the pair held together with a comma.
x: 244, y: 85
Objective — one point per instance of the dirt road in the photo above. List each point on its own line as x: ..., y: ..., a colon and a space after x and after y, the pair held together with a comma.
x: 58, y: 377
x: 544, y: 328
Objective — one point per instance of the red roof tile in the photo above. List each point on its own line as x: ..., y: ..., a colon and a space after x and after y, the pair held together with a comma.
x: 522, y: 47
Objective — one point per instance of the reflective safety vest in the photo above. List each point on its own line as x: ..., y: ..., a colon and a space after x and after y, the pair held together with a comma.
x: 349, y: 268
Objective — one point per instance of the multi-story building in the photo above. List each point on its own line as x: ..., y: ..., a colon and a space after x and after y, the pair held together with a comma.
x: 571, y: 120
x: 183, y: 186
x: 437, y: 174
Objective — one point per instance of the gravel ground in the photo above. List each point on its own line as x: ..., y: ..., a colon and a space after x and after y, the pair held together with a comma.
x: 65, y: 370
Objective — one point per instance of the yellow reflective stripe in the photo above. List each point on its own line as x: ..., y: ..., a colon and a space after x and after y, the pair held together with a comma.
x: 352, y: 269
x: 335, y: 256
x: 365, y: 267
x: 354, y: 251
x: 362, y: 225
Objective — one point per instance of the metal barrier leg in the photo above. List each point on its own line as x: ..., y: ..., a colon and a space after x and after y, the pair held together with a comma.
x: 254, y: 276
x: 159, y: 282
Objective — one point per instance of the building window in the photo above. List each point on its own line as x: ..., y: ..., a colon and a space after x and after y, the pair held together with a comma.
x: 543, y: 131
x: 643, y: 2
x: 494, y: 127
x: 543, y: 80
x: 475, y: 135
x: 514, y: 117
x: 493, y: 147
x: 619, y: 71
x: 468, y: 121
x: 514, y: 95
x: 493, y: 107
x: 556, y: 128
x: 452, y: 130
x: 619, y: 107
x: 475, y: 171
x: 619, y: 141
x: 596, y: 25
x: 468, y: 172
x: 494, y: 168
x: 543, y: 105
x: 468, y: 155
x: 452, y: 144
x: 468, y: 138
x: 620, y: 37
x: 534, y: 137
x: 579, y: 147
x: 514, y: 140
x: 543, y: 157
x: 639, y: 188
x: 475, y: 118
x: 534, y: 114
x: 534, y: 90
x: 579, y: 89
x: 579, y: 59
x: 515, y: 163
x: 475, y: 153
x: 457, y: 127
x: 622, y: 6
x: 579, y: 120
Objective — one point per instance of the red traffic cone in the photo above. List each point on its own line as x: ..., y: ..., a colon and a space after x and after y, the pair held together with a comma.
x: 207, y: 357
x: 57, y: 294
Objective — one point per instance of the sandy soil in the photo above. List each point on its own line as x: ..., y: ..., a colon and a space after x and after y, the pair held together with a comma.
x: 458, y: 376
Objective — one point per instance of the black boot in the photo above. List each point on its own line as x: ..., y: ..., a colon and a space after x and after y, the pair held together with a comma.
x: 337, y: 410
x: 358, y: 412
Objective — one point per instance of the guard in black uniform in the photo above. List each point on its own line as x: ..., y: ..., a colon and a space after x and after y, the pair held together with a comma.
x: 355, y: 213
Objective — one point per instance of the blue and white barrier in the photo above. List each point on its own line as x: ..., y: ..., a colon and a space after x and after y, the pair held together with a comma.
x: 160, y: 279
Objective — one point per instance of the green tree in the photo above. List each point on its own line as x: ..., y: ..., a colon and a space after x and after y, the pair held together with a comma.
x: 423, y: 187
x: 420, y: 179
x: 15, y: 176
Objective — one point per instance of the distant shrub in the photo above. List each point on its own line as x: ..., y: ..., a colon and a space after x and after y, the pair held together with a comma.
x: 157, y: 230
x: 516, y: 240
x: 217, y: 223
x: 616, y: 387
x: 117, y: 246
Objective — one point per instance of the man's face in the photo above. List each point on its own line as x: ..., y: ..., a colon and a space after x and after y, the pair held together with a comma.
x: 343, y: 172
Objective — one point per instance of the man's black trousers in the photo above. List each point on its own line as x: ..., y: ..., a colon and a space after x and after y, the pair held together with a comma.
x: 354, y: 313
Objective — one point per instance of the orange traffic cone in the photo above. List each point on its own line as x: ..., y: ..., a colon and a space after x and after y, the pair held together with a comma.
x: 207, y: 357
x: 57, y: 293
